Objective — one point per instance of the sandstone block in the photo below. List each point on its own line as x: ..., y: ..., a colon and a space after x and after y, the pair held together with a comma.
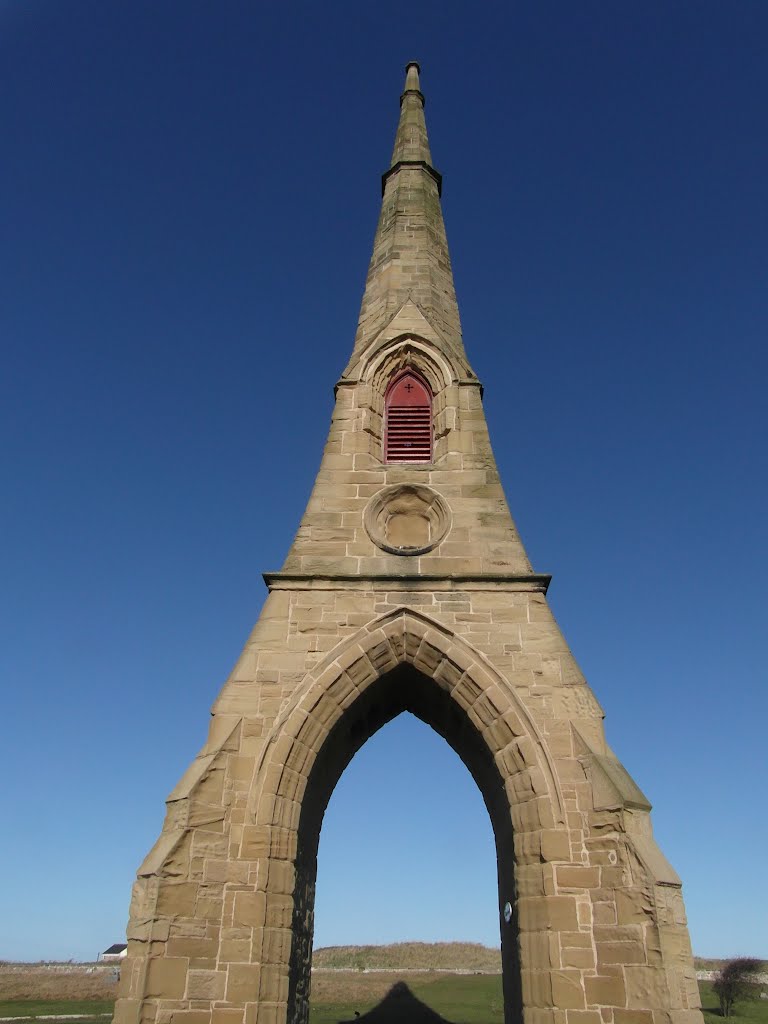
x: 583, y: 958
x: 205, y: 984
x: 225, y: 871
x: 192, y: 948
x: 190, y: 1017
x: 281, y: 877
x: 274, y: 983
x: 605, y: 990
x: 279, y: 912
x: 577, y: 940
x: 265, y: 1013
x: 555, y: 845
x: 540, y: 1015
x: 604, y: 913
x: 548, y: 913
x: 647, y: 987
x: 536, y: 948
x: 249, y: 909
x: 633, y: 1016
x: 242, y: 983
x: 127, y: 1011
x: 235, y: 951
x: 584, y: 1017
x: 573, y: 877
x: 620, y: 953
x: 227, y: 1016
x: 166, y: 978
x: 618, y: 933
x: 177, y: 899
x: 255, y: 842
x: 567, y: 990
x: 537, y: 988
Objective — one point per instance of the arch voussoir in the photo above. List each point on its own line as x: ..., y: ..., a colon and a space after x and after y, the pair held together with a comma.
x: 356, y: 663
x: 311, y: 733
x: 431, y: 652
x: 343, y: 691
x: 406, y: 636
x: 299, y: 757
x: 447, y: 674
x: 393, y: 630
x: 466, y: 691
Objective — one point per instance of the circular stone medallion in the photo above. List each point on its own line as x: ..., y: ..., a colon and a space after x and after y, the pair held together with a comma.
x: 407, y: 519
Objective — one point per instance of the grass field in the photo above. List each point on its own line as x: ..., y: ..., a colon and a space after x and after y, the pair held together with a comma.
x: 53, y: 1007
x: 753, y: 1011
x: 33, y: 990
x: 462, y: 999
x: 419, y: 998
x: 465, y: 999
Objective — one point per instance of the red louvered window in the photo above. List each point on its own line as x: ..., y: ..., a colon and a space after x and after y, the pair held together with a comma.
x: 408, y: 420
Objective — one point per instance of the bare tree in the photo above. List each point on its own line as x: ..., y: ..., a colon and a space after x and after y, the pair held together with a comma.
x: 736, y: 980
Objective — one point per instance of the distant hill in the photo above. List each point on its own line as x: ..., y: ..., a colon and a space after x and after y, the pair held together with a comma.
x: 430, y: 956
x: 423, y: 956
x: 702, y: 963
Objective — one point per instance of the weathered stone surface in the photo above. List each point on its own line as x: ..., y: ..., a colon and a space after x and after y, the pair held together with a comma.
x: 166, y: 978
x: 606, y: 990
x: 427, y: 597
x: 548, y: 913
x: 205, y: 985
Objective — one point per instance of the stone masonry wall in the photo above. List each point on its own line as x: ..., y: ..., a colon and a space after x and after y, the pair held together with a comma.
x: 601, y: 924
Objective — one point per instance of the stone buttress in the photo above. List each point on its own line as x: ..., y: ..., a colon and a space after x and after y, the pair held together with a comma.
x: 407, y: 588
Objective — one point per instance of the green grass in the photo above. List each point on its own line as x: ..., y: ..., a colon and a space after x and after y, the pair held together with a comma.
x: 465, y: 999
x: 51, y: 1007
x: 747, y: 1011
x: 472, y: 999
x: 461, y: 999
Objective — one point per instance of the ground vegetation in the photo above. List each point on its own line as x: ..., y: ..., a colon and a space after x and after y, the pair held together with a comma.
x: 737, y: 981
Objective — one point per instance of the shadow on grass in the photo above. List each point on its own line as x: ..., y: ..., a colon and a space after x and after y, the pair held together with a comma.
x: 399, y: 1006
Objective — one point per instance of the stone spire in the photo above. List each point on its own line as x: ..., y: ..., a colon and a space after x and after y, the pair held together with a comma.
x: 407, y: 588
x: 411, y: 142
x: 409, y: 319
x: 410, y: 261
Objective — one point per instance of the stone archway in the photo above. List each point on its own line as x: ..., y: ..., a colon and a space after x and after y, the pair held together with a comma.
x: 221, y: 923
x: 401, y: 662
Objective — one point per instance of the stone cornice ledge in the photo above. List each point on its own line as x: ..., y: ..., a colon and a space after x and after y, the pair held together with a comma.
x: 536, y: 582
x: 413, y: 163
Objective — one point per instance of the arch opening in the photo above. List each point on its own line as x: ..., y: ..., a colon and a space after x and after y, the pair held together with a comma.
x: 406, y: 851
x: 403, y: 688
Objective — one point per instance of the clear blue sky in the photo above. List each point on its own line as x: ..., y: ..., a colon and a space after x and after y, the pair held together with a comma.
x: 189, y: 192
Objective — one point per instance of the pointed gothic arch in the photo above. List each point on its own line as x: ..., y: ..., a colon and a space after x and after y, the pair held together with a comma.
x: 386, y: 358
x: 406, y: 635
x: 382, y: 363
x: 403, y: 661
x: 408, y: 430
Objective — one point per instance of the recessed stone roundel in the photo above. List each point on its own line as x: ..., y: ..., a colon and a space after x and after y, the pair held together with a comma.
x: 407, y: 519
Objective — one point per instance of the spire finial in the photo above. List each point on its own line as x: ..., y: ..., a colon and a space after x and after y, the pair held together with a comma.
x: 410, y: 265
x: 412, y: 70
x: 411, y: 141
